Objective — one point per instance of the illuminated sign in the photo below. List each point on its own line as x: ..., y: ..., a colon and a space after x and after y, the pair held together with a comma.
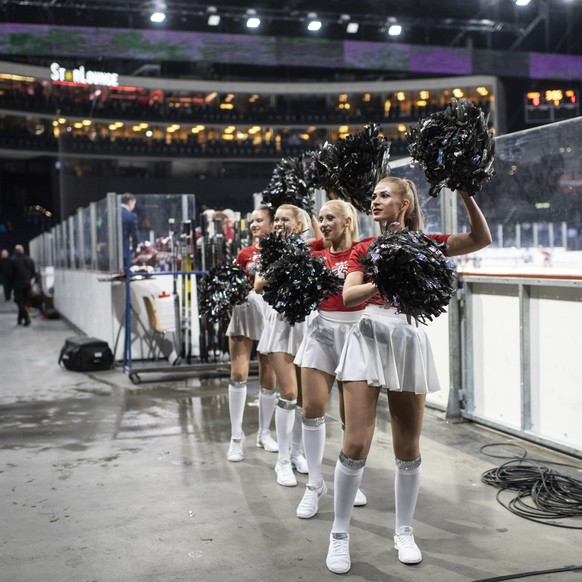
x: 551, y: 105
x: 83, y: 77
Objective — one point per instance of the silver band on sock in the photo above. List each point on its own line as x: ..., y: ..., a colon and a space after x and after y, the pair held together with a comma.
x: 238, y: 384
x: 408, y: 465
x: 313, y: 421
x: 354, y: 464
x: 267, y: 392
x: 287, y: 404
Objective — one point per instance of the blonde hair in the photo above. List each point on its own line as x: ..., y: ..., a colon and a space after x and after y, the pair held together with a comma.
x: 346, y: 210
x: 300, y: 216
x: 407, y: 191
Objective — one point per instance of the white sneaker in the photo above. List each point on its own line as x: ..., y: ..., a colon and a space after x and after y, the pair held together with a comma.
x: 266, y: 441
x: 408, y: 552
x: 360, y: 499
x: 299, y: 463
x: 235, y: 450
x: 310, y: 502
x: 285, y: 474
x: 338, y: 555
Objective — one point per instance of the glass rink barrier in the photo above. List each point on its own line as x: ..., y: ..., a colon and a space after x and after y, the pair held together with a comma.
x: 509, y: 345
x: 506, y: 349
x: 84, y: 273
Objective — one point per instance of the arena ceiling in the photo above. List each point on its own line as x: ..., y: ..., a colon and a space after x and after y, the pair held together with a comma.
x: 542, y: 25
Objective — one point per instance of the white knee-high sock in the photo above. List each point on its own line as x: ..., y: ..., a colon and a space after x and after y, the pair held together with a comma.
x: 406, y: 487
x: 314, y: 444
x: 297, y: 434
x: 267, y: 401
x: 347, y: 479
x: 284, y: 419
x: 237, y: 397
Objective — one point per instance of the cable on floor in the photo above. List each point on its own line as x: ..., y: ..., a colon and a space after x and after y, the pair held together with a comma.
x: 529, y: 574
x: 543, y: 495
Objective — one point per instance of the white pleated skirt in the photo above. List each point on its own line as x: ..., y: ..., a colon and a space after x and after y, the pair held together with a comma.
x: 279, y: 336
x: 248, y: 319
x: 324, y: 340
x: 387, y: 352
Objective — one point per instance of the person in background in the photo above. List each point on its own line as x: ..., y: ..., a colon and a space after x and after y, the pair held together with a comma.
x: 319, y: 353
x: 281, y: 341
x: 390, y: 351
x: 245, y: 327
x: 129, y: 222
x: 6, y: 274
x: 23, y: 272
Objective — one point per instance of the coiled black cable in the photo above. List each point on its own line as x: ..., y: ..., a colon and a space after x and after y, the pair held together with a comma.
x: 542, y: 495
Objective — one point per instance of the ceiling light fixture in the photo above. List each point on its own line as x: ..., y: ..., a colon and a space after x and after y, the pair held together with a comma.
x: 158, y: 17
x: 213, y: 17
x: 253, y: 21
x: 395, y: 30
x: 158, y: 11
x: 313, y: 24
x: 522, y: 2
x: 352, y: 27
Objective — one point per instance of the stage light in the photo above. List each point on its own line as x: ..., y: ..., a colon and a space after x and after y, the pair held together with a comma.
x: 158, y: 11
x: 213, y: 17
x: 253, y: 21
x: 313, y: 24
x: 522, y: 2
x: 395, y: 30
x: 158, y: 17
x: 352, y: 27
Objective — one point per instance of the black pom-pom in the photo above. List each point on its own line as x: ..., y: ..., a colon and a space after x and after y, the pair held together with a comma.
x: 320, y: 164
x: 411, y: 271
x: 297, y: 283
x: 220, y: 290
x: 288, y: 185
x: 454, y: 147
x: 275, y: 244
x: 361, y: 161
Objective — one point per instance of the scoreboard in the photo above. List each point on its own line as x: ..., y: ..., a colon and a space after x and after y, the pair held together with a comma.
x: 551, y: 105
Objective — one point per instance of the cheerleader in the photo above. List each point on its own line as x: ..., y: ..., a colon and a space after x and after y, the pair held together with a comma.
x: 385, y: 351
x: 246, y: 326
x: 281, y: 341
x: 319, y: 353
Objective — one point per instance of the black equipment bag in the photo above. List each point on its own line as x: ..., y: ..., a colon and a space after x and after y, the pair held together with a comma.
x: 86, y: 354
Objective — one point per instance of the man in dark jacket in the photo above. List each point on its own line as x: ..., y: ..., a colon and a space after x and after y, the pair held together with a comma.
x: 128, y: 224
x: 6, y: 273
x: 23, y: 272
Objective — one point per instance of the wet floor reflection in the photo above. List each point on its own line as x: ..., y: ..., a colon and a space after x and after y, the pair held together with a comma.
x: 197, y: 408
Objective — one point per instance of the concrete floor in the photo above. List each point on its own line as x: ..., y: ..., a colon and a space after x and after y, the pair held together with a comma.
x: 104, y: 481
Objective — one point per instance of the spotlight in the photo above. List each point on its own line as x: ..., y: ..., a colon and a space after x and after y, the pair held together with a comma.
x: 395, y: 30
x: 313, y: 24
x: 158, y: 17
x: 253, y: 21
x: 213, y: 17
x: 352, y: 27
x: 522, y: 2
x: 158, y: 11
